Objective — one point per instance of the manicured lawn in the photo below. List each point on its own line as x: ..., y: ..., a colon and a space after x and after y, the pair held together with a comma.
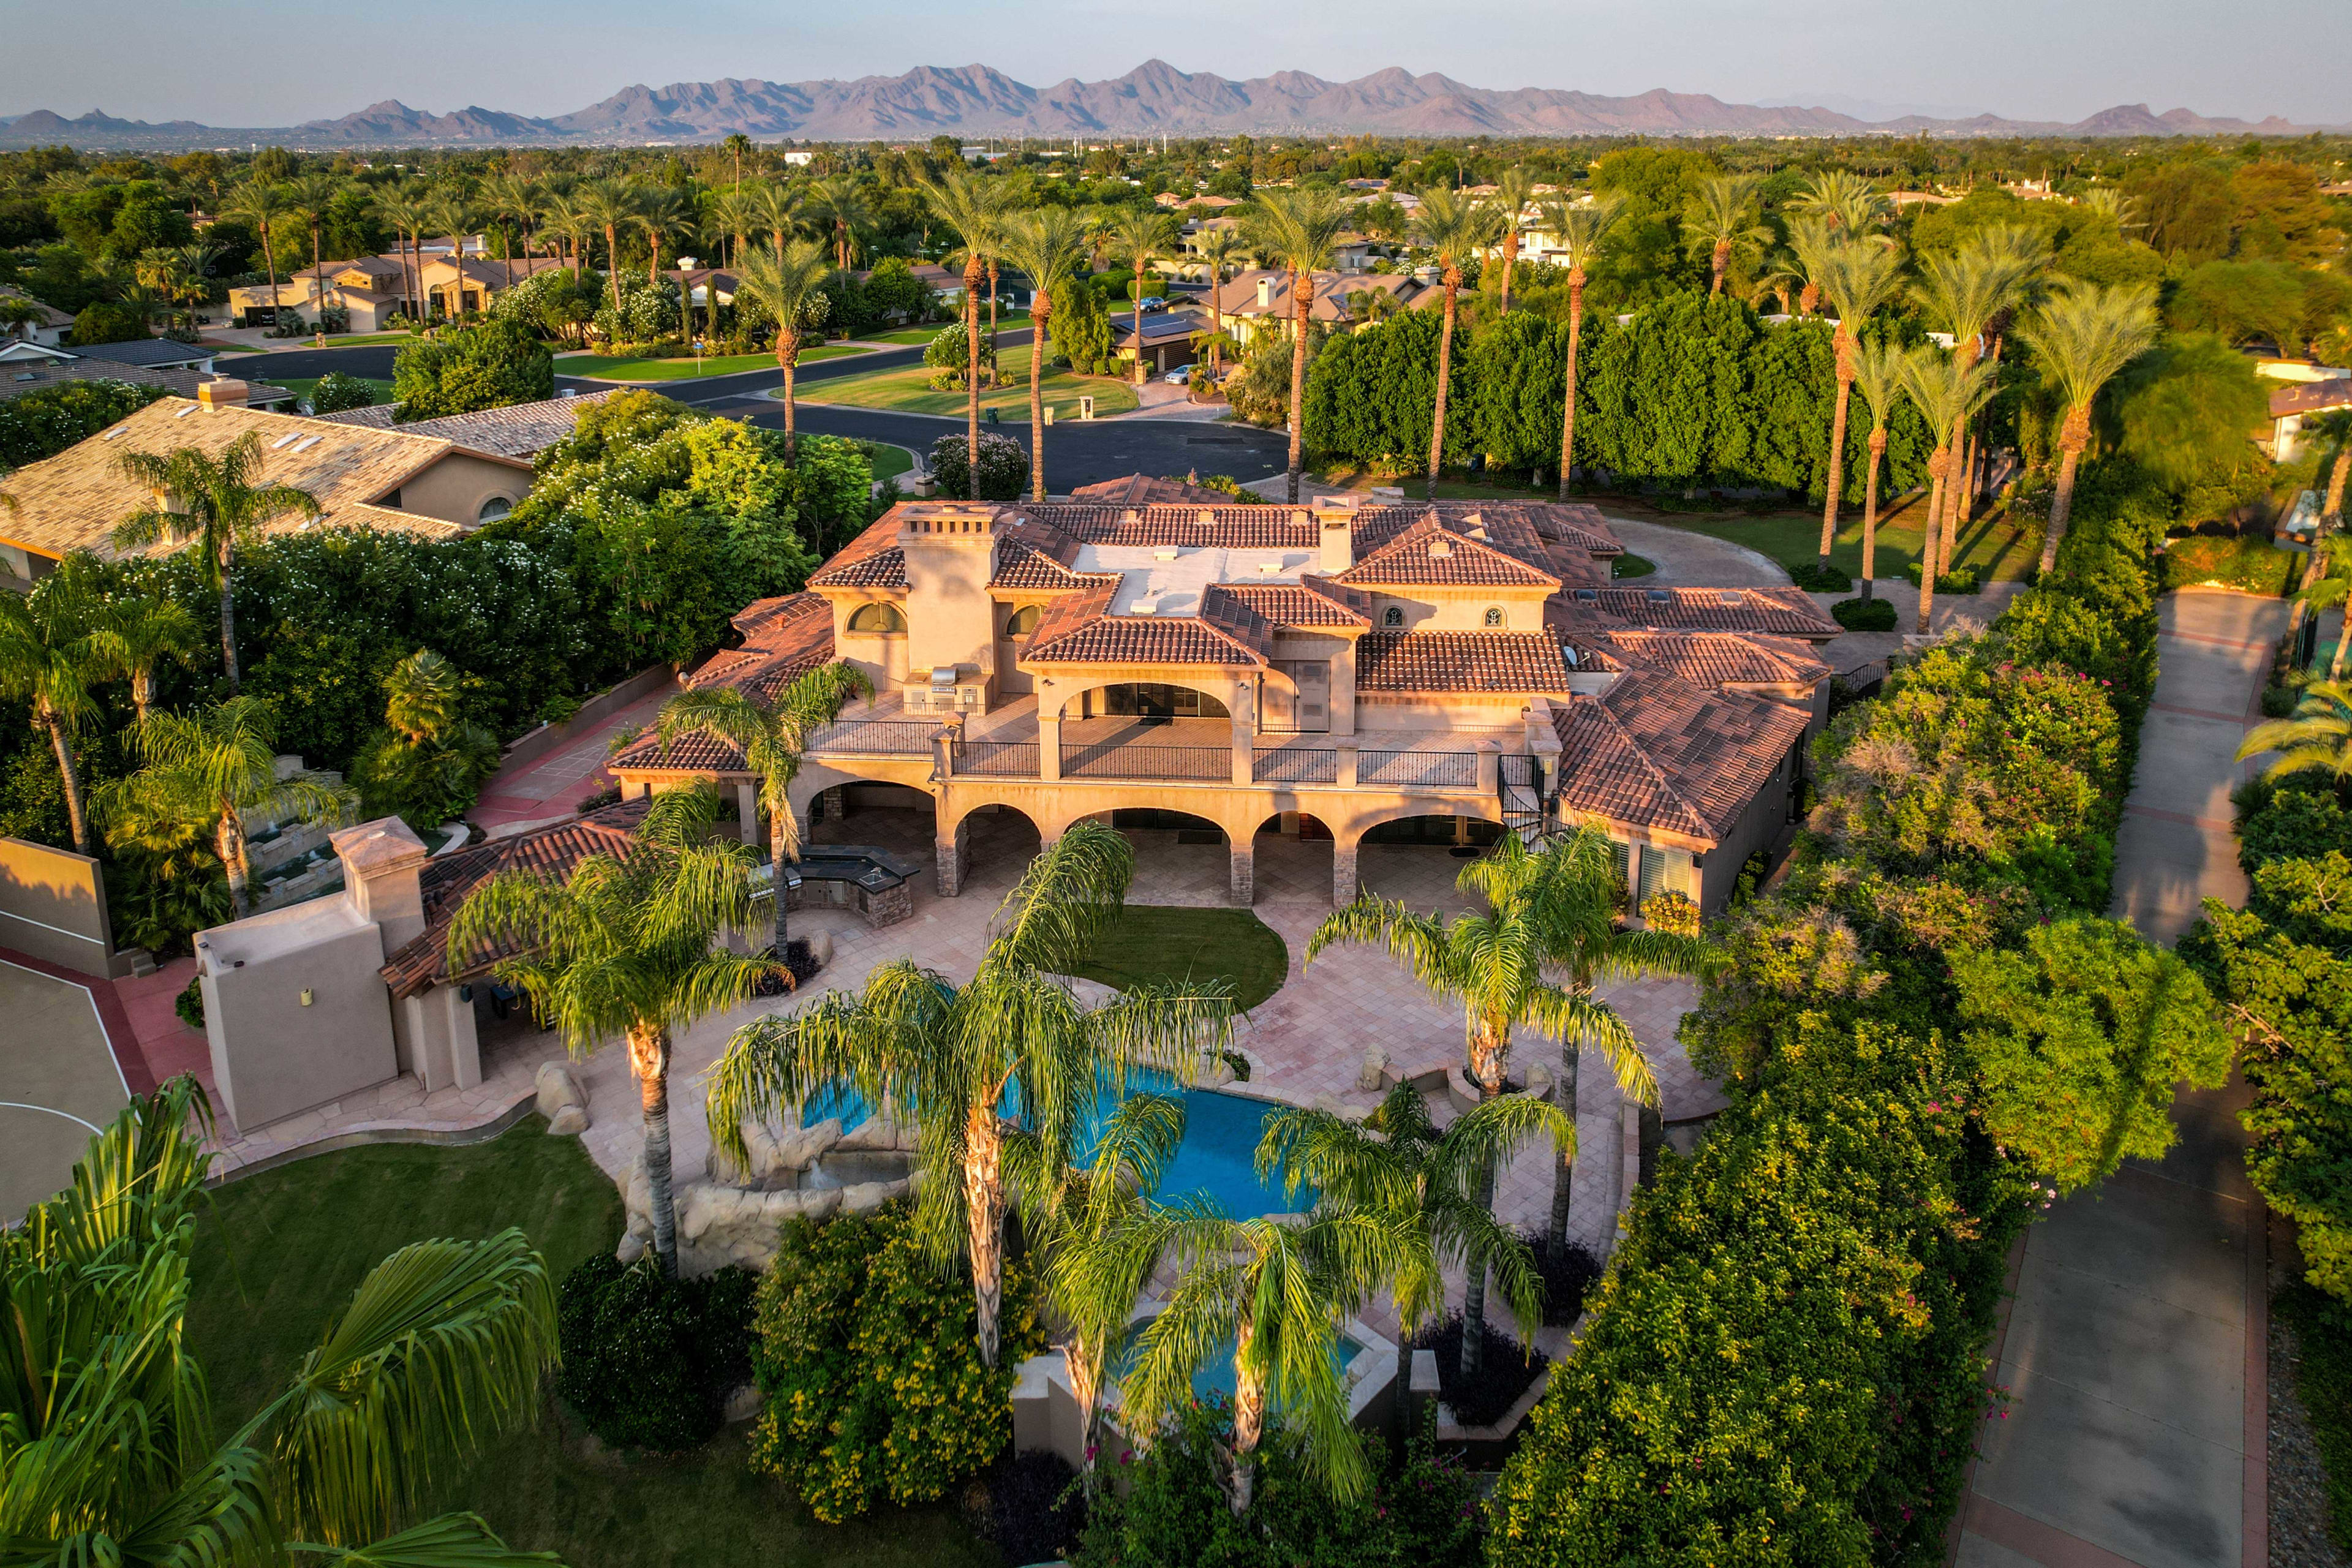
x: 2003, y: 552
x: 278, y: 1253
x: 599, y: 368
x: 1005, y: 321
x: 910, y: 392
x: 889, y: 461
x: 224, y: 348
x: 1153, y: 941
x: 302, y: 385
x: 1631, y: 565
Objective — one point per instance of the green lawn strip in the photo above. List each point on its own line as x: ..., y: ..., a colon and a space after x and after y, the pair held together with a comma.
x: 2324, y: 1382
x: 278, y: 1254
x: 1631, y: 565
x: 910, y: 391
x: 1152, y: 942
x: 221, y: 348
x: 890, y: 461
x: 684, y: 368
x: 303, y: 385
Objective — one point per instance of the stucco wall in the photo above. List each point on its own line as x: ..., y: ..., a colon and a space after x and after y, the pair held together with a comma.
x: 273, y: 1054
x: 455, y: 488
x: 52, y: 908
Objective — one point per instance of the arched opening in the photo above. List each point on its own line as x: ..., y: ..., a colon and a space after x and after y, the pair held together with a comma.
x: 1494, y: 618
x: 494, y: 509
x: 1013, y: 633
x: 1418, y: 858
x: 894, y: 816
x: 1146, y: 702
x: 1022, y: 621
x: 998, y: 842
x: 1180, y: 858
x: 881, y: 618
x: 1293, y: 850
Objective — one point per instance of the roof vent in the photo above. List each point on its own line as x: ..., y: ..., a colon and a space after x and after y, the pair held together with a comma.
x: 119, y: 432
x: 1440, y: 548
x: 1660, y: 596
x: 1269, y: 567
x: 1144, y: 607
x: 1163, y: 552
x: 1732, y: 597
x: 1587, y: 595
x: 285, y: 440
x: 191, y: 409
x: 307, y: 442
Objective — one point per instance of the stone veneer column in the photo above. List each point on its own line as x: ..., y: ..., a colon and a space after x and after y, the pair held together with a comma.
x: 833, y: 803
x: 950, y: 851
x: 1245, y: 854
x: 1343, y: 873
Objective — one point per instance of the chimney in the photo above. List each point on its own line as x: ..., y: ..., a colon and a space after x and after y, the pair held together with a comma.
x: 1338, y: 539
x: 222, y: 392
x: 384, y: 862
x: 1265, y: 293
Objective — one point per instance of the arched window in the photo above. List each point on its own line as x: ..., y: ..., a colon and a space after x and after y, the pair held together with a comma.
x: 1392, y: 617
x: 1024, y: 621
x: 494, y: 509
x: 1495, y: 616
x: 877, y: 618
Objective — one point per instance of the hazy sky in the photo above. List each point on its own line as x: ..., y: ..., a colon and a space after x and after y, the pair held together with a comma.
x: 274, y: 62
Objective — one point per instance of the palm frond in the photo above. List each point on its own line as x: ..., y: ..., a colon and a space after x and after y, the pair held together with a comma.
x: 453, y: 1540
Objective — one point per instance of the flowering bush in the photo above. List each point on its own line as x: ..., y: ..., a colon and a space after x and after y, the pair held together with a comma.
x: 1003, y: 466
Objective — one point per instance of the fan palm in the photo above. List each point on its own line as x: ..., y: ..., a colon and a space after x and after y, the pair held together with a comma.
x: 2318, y: 738
x: 2084, y: 334
x: 215, y: 768
x: 1277, y: 1293
x: 1048, y: 245
x: 257, y: 201
x: 1296, y: 229
x: 1722, y: 217
x: 1515, y: 187
x: 131, y: 638
x: 972, y: 210
x: 217, y: 502
x: 106, y: 1447
x: 1878, y: 372
x: 1455, y: 229
x: 784, y: 286
x: 627, y: 945
x: 1012, y: 1054
x: 1947, y: 391
x: 49, y: 654
x: 1580, y: 231
x: 611, y: 205
x: 1397, y: 1165
x: 1218, y: 248
x: 1858, y: 280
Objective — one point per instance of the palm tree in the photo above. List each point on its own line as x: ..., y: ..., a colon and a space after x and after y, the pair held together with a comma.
x: 972, y: 209
x: 1846, y: 199
x: 443, y: 213
x: 1455, y: 229
x: 106, y: 1441
x: 1048, y: 245
x: 732, y: 216
x: 658, y: 217
x: 1296, y: 229
x: 1277, y: 1293
x: 2326, y: 586
x: 407, y: 217
x: 1722, y: 217
x: 945, y: 1058
x: 735, y: 146
x: 610, y: 206
x: 1858, y: 280
x: 213, y: 501
x: 215, y: 769
x: 2317, y: 739
x: 1878, y: 372
x: 1219, y: 248
x: 132, y: 637
x: 511, y: 199
x: 1514, y: 188
x: 2084, y: 334
x: 1142, y: 236
x: 1493, y: 964
x: 836, y: 205
x: 1966, y: 290
x: 773, y: 209
x: 784, y: 288
x: 258, y: 202
x: 192, y: 287
x: 18, y: 316
x: 773, y: 739
x: 1581, y: 232
x: 1947, y: 392
x: 48, y: 657
x: 1397, y: 1165
x: 627, y: 945
x: 307, y: 200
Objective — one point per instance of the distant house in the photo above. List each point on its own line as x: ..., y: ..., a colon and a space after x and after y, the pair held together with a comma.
x: 2291, y: 406
x: 518, y: 430
x: 49, y: 328
x: 1168, y: 338
x: 1253, y: 300
x: 32, y: 372
x: 378, y: 289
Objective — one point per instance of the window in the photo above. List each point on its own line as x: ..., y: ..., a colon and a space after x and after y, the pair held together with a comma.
x: 1024, y: 621
x: 494, y: 509
x: 1495, y: 618
x: 1392, y: 617
x: 877, y: 618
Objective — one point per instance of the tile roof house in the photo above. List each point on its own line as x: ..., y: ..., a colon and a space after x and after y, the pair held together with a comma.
x: 1251, y: 301
x: 18, y: 377
x: 1355, y: 661
x: 377, y: 290
x: 48, y: 326
x: 518, y: 430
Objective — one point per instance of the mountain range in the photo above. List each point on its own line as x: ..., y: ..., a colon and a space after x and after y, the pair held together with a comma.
x: 1154, y: 98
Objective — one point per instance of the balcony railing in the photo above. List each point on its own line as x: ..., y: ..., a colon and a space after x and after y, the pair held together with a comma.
x: 1198, y: 764
x: 875, y: 737
x: 997, y: 759
x: 1296, y: 765
x: 1417, y: 770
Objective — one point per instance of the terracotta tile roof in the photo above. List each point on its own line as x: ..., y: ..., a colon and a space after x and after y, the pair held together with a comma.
x: 1027, y: 567
x: 19, y: 376
x: 1655, y: 752
x: 447, y: 881
x: 1706, y: 659
x: 872, y: 560
x: 73, y: 500
x: 1446, y: 552
x: 1079, y: 629
x: 1780, y: 612
x: 1231, y: 527
x: 1142, y: 489
x: 517, y: 430
x: 1460, y: 662
x: 784, y: 639
x: 1311, y: 601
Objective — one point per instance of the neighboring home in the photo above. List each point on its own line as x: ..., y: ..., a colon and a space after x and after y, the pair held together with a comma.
x: 48, y: 327
x: 1357, y: 670
x: 518, y: 430
x: 1174, y: 200
x: 142, y: 353
x: 377, y: 290
x: 360, y: 477
x: 2292, y: 404
x: 1253, y: 299
x: 31, y: 374
x: 1167, y: 340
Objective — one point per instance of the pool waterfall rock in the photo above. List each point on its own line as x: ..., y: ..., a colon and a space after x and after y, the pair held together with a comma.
x: 560, y: 1099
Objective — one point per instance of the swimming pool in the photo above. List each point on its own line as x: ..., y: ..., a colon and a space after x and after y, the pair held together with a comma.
x: 1215, y: 1377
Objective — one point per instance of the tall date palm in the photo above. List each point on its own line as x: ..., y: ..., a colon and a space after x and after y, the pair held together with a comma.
x: 1455, y: 229
x: 783, y: 287
x: 1859, y: 281
x: 2085, y: 334
x: 1048, y: 245
x: 1296, y: 230
x: 1581, y: 231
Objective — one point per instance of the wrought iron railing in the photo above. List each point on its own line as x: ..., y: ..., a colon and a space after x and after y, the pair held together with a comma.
x: 997, y: 759
x: 1418, y: 770
x: 875, y: 737
x: 1296, y: 765
x: 1198, y: 764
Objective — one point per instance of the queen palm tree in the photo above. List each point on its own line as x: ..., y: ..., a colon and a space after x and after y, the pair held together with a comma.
x: 217, y: 503
x: 2317, y: 738
x: 784, y: 288
x: 1295, y: 230
x: 2084, y: 334
x: 215, y: 768
x: 1494, y: 965
x: 48, y: 657
x: 774, y: 738
x: 972, y: 210
x: 1947, y: 392
x: 1581, y: 231
x: 1878, y: 372
x: 106, y: 1441
x: 946, y: 1058
x: 131, y: 638
x: 1397, y: 1164
x: 627, y: 945
x: 1858, y: 280
x: 610, y: 204
x: 1722, y: 217
x: 1218, y: 248
x: 1277, y: 1294
x: 306, y: 201
x: 1455, y: 229
x: 257, y: 201
x: 1515, y: 187
x: 1048, y: 245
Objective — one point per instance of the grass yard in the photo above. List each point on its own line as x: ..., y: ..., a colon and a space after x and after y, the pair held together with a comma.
x: 1153, y: 941
x: 278, y: 1253
x: 889, y: 461
x: 911, y: 391
x: 302, y: 385
x: 907, y: 336
x: 597, y: 367
x: 2001, y: 551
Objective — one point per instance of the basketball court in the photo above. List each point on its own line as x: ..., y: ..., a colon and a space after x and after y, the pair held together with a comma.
x: 58, y: 1084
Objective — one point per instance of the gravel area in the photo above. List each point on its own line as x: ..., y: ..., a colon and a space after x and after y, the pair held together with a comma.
x: 2298, y: 1500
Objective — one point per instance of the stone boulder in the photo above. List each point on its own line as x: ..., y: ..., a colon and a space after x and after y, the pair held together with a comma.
x: 1369, y: 1078
x: 820, y: 946
x: 867, y: 1197
x: 876, y: 1135
x: 561, y: 1099
x: 1540, y: 1082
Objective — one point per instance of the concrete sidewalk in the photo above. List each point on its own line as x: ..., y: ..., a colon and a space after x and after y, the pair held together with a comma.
x: 2134, y: 1352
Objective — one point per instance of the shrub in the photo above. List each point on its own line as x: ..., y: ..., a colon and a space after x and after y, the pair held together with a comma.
x: 190, y: 1003
x: 949, y: 354
x: 1961, y: 580
x: 1672, y: 912
x: 1032, y: 1507
x: 648, y: 1361
x: 466, y: 369
x: 1864, y: 615
x: 107, y: 323
x: 47, y: 420
x: 875, y: 1387
x: 1003, y: 466
x: 337, y: 392
x: 1814, y: 577
x: 2252, y: 565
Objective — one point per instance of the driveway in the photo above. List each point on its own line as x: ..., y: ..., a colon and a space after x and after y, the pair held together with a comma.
x: 57, y: 1084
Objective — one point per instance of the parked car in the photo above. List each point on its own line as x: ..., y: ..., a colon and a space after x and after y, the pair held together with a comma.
x: 1154, y: 303
x: 1179, y: 376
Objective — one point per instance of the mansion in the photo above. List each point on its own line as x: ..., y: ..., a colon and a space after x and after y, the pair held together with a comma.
x: 1359, y: 668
